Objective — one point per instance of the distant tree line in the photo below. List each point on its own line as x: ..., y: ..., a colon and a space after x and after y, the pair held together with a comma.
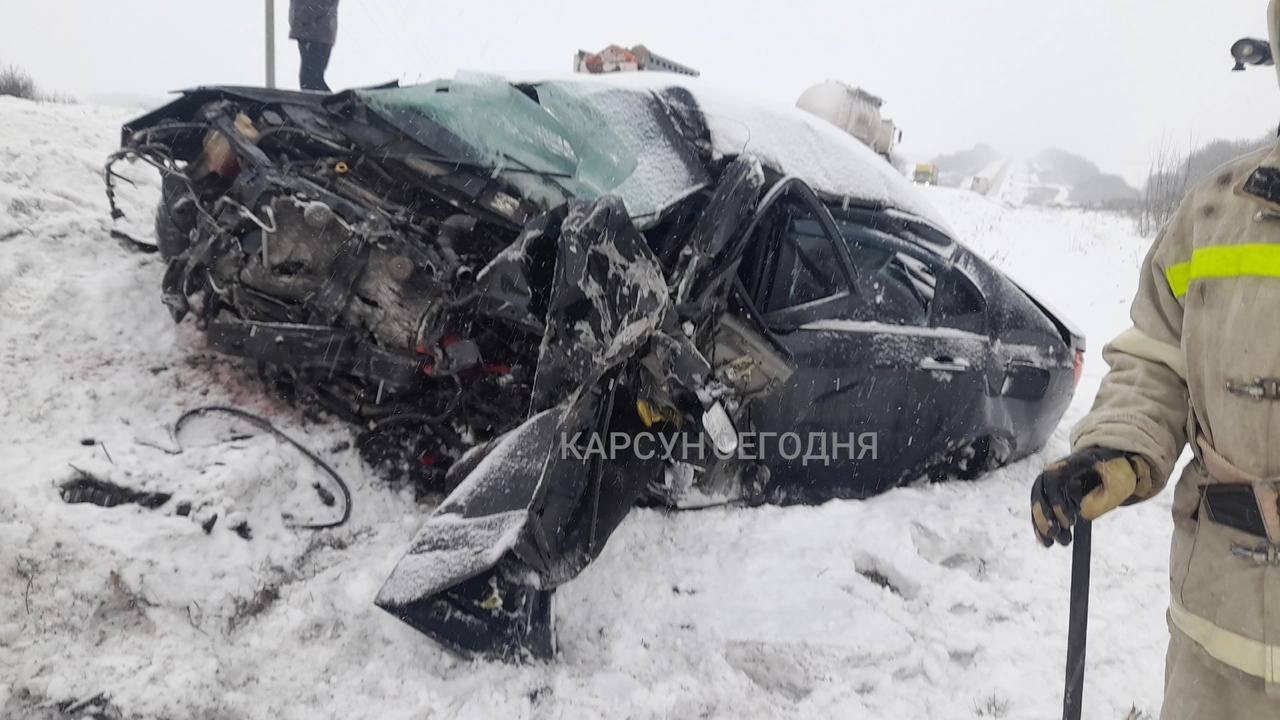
x: 1174, y: 172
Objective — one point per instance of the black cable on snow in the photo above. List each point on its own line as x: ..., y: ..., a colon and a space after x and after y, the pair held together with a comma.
x: 264, y: 424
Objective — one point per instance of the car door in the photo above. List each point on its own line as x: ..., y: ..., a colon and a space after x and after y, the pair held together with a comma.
x: 950, y: 384
x: 939, y: 326
x: 837, y: 420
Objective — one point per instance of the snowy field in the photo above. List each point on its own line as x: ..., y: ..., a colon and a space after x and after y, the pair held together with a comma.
x: 728, y: 613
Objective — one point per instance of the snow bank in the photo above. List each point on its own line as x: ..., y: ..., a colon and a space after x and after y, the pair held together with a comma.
x: 927, y: 602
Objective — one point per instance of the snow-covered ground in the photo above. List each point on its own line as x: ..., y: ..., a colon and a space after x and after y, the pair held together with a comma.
x: 723, y: 613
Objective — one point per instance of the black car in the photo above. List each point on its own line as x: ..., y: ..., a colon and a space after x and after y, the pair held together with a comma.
x: 557, y: 299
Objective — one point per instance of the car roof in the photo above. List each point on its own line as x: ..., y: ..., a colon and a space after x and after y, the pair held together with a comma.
x: 793, y: 142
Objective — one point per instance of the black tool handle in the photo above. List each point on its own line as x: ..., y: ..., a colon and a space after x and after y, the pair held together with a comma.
x: 1078, y: 624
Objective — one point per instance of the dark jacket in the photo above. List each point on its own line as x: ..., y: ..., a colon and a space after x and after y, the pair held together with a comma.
x: 314, y: 20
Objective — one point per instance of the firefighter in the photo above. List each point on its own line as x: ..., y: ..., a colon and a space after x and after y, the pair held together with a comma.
x: 314, y: 24
x: 1200, y: 366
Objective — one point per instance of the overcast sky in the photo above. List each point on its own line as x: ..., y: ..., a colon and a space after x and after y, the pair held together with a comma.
x: 1105, y: 78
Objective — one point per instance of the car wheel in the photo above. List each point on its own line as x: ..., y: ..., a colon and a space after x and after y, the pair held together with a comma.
x: 971, y: 460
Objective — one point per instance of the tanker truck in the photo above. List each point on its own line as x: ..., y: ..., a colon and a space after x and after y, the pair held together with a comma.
x: 854, y: 111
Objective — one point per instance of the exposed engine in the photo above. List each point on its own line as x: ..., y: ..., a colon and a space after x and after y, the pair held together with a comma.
x: 347, y: 287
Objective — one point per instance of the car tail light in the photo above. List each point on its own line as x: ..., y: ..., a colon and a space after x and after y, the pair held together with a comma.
x: 1077, y: 369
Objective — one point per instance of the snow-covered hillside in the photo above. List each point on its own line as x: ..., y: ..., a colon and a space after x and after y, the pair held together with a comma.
x: 928, y: 602
x: 1051, y: 178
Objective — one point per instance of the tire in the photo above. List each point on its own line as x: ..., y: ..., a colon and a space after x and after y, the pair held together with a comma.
x: 973, y: 465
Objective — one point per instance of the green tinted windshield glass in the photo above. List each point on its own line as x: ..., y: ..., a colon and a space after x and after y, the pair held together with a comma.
x: 574, y: 140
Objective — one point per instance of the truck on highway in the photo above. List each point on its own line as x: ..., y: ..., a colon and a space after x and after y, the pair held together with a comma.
x: 925, y: 174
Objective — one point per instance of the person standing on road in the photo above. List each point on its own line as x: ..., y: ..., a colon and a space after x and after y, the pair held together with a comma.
x: 314, y: 24
x: 1201, y: 365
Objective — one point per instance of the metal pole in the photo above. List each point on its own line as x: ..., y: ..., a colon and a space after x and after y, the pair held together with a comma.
x: 271, y: 43
x: 1078, y: 622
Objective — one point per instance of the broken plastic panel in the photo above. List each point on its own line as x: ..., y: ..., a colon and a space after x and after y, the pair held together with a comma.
x: 527, y: 515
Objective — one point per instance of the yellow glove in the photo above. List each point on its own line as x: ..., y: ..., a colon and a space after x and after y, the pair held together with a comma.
x: 1086, y: 484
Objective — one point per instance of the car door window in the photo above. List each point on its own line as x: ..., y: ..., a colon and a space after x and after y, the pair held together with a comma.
x: 898, y: 287
x: 959, y: 305
x: 806, y: 265
x: 795, y: 266
x: 800, y: 261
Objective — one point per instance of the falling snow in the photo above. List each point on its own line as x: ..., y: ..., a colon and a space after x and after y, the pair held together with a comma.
x: 930, y: 601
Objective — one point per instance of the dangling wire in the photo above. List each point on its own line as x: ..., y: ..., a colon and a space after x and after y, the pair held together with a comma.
x: 267, y: 426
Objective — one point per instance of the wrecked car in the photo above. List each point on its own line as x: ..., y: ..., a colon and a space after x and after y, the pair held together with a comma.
x: 554, y: 300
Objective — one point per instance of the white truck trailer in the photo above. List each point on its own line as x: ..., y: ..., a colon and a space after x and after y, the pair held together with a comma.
x: 854, y: 111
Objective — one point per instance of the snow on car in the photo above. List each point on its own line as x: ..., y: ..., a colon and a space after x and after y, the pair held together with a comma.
x: 514, y: 286
x: 931, y: 600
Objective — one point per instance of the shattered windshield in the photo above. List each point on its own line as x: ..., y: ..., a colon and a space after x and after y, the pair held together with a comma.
x: 555, y: 140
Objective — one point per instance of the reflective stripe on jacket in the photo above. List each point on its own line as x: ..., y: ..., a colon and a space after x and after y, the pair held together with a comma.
x: 1198, y: 364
